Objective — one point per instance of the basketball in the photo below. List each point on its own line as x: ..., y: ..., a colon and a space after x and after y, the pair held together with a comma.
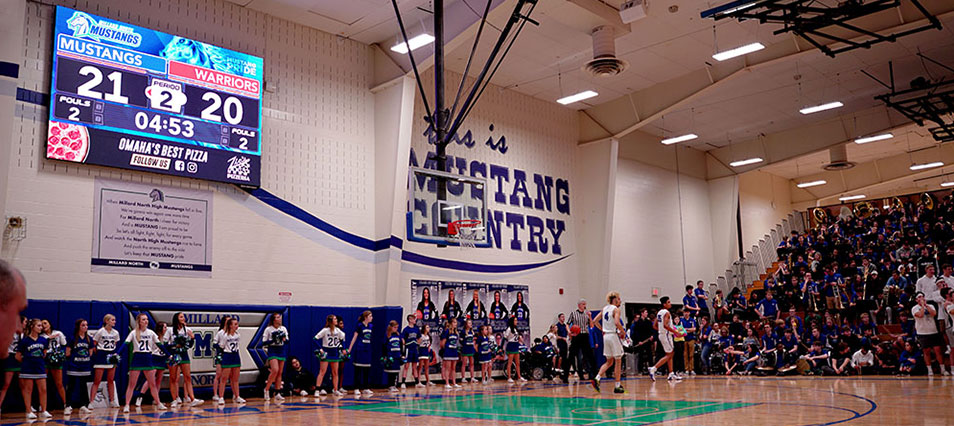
x: 575, y: 330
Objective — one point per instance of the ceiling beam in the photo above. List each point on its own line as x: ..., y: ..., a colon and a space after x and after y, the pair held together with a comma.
x: 631, y: 112
x: 606, y: 12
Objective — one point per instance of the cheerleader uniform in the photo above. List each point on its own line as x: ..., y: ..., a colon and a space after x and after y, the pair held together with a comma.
x: 467, y: 347
x: 217, y: 359
x: 330, y: 342
x: 143, y: 350
x: 11, y: 364
x: 32, y: 350
x: 56, y: 341
x: 79, y: 367
x: 230, y: 349
x: 106, y: 344
x: 485, y: 354
x: 451, y: 345
x: 394, y: 352
x: 424, y: 350
x: 276, y: 349
x: 362, y: 348
x: 410, y: 336
x: 161, y: 355
x: 513, y: 341
x: 182, y: 352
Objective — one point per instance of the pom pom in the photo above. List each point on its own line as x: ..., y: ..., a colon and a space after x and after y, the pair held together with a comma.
x: 279, y: 337
x: 113, y: 359
x: 55, y: 358
x: 321, y: 354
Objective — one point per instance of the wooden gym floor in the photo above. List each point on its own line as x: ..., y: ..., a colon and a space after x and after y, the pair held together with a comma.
x: 701, y: 400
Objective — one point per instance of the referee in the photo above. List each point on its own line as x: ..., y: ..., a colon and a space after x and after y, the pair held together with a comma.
x: 580, y: 350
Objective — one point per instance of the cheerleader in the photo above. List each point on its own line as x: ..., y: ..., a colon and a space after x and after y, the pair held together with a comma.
x: 393, y: 366
x: 217, y: 359
x: 424, y: 354
x: 277, y: 336
x: 497, y: 309
x: 160, y: 357
x: 450, y: 345
x: 30, y: 353
x: 54, y: 363
x: 512, y: 337
x: 485, y: 353
x: 329, y: 340
x: 231, y: 362
x: 144, y: 345
x: 180, y: 361
x: 468, y: 349
x: 79, y: 366
x: 107, y: 340
x: 362, y: 355
x: 410, y: 335
x: 11, y: 366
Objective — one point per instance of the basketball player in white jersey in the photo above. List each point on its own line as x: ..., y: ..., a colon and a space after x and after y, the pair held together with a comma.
x: 663, y: 323
x: 613, y: 331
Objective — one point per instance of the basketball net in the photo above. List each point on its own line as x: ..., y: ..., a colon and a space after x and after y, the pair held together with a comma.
x: 464, y: 233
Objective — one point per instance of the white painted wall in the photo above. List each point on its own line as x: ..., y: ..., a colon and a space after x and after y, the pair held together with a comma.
x: 765, y: 200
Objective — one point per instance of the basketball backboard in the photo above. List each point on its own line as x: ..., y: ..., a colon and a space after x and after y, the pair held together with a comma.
x: 429, y: 213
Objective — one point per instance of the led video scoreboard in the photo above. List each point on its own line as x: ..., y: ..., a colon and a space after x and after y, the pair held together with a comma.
x: 129, y: 97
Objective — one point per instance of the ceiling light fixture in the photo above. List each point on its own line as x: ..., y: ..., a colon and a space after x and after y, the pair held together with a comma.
x: 812, y: 183
x: 678, y: 139
x: 738, y: 51
x: 875, y: 138
x: 745, y: 162
x: 820, y: 108
x: 577, y: 97
x: 851, y: 197
x: 926, y: 165
x: 416, y: 42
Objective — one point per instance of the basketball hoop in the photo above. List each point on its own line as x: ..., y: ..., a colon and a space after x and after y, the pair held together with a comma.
x: 464, y: 232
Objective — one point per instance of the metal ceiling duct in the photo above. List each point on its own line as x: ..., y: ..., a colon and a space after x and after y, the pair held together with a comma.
x: 604, y: 63
x: 839, y: 159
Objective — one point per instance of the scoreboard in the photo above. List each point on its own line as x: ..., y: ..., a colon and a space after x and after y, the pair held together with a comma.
x: 129, y: 97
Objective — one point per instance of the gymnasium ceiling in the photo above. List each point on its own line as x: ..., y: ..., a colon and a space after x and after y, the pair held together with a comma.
x: 740, y: 108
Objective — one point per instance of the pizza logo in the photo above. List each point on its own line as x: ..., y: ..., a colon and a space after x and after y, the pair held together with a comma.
x: 239, y: 168
x: 68, y: 142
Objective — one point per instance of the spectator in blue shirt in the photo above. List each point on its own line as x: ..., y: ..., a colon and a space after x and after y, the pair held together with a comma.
x: 768, y: 307
x: 702, y: 298
x: 769, y: 338
x: 689, y: 302
x: 689, y: 352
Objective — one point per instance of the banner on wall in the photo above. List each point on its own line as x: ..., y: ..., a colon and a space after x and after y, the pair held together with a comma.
x: 151, y: 230
x: 484, y: 304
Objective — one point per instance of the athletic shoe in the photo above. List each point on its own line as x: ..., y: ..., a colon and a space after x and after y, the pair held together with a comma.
x: 114, y: 404
x: 31, y: 416
x: 674, y: 376
x: 67, y: 411
x: 945, y: 373
x: 420, y: 385
x: 357, y: 392
x: 692, y: 373
x: 403, y: 386
x: 652, y: 373
x: 46, y: 415
x: 596, y: 384
x: 85, y: 410
x: 619, y: 389
x: 367, y: 392
x: 161, y: 407
x: 221, y: 401
x: 125, y: 409
x: 930, y: 372
x: 267, y: 396
x: 457, y: 386
x: 179, y: 400
x: 196, y: 402
x: 303, y: 393
x: 238, y: 400
x: 510, y: 381
x: 448, y: 386
x: 430, y: 383
x: 393, y: 389
x: 338, y: 393
x: 279, y: 397
x: 523, y: 379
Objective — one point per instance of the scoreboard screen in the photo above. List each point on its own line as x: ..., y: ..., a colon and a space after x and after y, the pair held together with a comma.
x: 129, y: 97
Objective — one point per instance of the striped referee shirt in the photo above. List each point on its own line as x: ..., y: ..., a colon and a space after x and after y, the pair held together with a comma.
x: 581, y: 319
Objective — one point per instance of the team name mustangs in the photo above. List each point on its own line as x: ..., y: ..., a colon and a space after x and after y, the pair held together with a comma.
x: 510, y: 189
x: 84, y: 25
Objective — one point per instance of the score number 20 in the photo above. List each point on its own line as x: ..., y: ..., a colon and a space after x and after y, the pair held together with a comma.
x: 231, y: 109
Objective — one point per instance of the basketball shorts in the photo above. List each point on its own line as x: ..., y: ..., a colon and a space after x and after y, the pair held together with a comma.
x: 666, y: 341
x: 612, y: 346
